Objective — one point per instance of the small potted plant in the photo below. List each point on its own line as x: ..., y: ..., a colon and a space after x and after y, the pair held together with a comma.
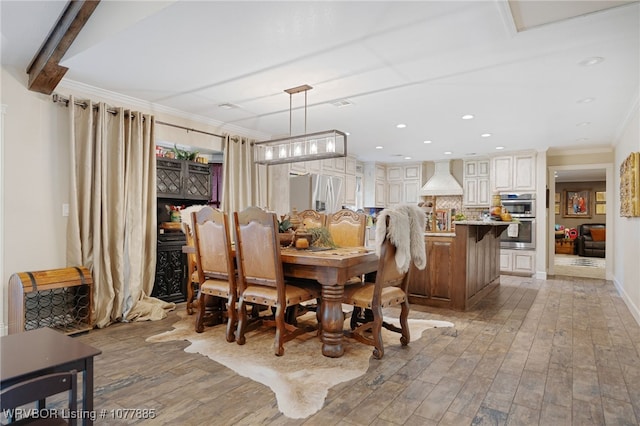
x: 286, y: 232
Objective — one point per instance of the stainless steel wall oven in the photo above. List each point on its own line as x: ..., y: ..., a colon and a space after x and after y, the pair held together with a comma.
x: 522, y: 208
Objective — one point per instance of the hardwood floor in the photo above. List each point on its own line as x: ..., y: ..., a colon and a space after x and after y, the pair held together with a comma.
x: 565, y: 351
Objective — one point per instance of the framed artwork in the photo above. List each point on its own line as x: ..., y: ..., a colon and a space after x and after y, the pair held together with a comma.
x: 630, y: 186
x: 576, y: 204
x: 601, y: 196
x: 557, y: 197
x: 557, y: 208
x: 601, y: 209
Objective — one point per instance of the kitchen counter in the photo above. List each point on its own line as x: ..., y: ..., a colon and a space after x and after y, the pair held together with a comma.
x: 462, y: 266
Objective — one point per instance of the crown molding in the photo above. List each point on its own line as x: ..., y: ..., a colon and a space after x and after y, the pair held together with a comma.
x: 553, y: 152
x: 154, y: 108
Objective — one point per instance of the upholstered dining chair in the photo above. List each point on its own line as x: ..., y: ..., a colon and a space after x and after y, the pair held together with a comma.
x: 261, y: 277
x: 312, y: 219
x: 389, y: 289
x: 347, y: 228
x: 216, y: 271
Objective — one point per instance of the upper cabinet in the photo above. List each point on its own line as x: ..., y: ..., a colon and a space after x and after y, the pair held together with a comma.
x: 182, y: 179
x: 476, y: 186
x: 374, y: 185
x: 513, y: 172
x: 404, y: 183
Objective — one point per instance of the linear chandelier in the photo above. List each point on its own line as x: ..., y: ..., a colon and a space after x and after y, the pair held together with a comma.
x: 305, y: 147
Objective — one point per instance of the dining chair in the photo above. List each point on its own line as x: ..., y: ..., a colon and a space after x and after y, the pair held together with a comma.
x: 192, y: 274
x: 261, y: 277
x: 216, y: 271
x: 36, y: 390
x: 312, y: 219
x: 370, y: 298
x: 347, y: 228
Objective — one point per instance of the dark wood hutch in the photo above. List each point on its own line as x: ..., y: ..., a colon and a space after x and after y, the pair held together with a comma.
x: 180, y: 183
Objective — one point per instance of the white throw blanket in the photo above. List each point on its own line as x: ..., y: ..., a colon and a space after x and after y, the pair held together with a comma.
x: 406, y: 232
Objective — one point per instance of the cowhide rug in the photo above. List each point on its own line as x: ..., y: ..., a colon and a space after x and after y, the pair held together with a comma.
x: 302, y: 377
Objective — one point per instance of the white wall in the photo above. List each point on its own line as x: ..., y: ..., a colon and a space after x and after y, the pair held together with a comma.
x: 627, y: 229
x: 35, y: 182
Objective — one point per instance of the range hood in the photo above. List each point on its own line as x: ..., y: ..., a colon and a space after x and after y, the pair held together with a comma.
x: 442, y: 182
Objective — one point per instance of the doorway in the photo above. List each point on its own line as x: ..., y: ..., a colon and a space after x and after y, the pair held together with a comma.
x: 591, y: 181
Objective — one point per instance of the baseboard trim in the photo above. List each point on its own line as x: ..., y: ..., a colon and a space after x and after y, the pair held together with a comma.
x: 635, y: 312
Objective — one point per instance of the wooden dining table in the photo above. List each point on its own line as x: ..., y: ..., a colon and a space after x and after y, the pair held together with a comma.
x: 332, y: 269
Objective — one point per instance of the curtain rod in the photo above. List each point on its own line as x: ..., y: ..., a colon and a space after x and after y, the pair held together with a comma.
x: 189, y: 129
x: 65, y: 101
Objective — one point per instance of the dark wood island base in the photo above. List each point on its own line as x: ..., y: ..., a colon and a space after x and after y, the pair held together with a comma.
x: 461, y: 268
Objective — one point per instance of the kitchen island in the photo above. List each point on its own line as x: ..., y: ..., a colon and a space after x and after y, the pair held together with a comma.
x: 462, y: 266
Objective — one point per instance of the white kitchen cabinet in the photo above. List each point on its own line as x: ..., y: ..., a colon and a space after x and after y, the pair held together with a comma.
x: 380, y: 194
x: 521, y: 262
x: 476, y: 183
x: 374, y: 185
x: 413, y: 171
x: 411, y: 191
x: 395, y: 193
x: 513, y: 173
x: 350, y: 166
x: 350, y: 189
x: 395, y: 173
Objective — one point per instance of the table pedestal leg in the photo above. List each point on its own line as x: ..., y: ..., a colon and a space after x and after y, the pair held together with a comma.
x: 332, y: 321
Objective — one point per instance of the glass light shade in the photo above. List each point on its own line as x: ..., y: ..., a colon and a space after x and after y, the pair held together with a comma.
x: 307, y: 147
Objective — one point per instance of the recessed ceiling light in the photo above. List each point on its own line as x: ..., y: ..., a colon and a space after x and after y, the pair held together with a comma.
x: 407, y: 158
x: 467, y: 117
x: 347, y: 133
x: 379, y: 147
x: 586, y: 100
x: 584, y: 123
x: 448, y: 153
x: 485, y: 135
x: 427, y: 141
x: 499, y: 147
x: 591, y: 61
x: 401, y: 126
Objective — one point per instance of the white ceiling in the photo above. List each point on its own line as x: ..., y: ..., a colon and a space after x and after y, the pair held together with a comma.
x: 421, y: 63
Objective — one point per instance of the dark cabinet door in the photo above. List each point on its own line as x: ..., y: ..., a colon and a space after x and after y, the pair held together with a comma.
x: 433, y: 286
x: 197, y: 181
x: 181, y: 179
x: 169, y: 178
x: 170, y: 284
x: 440, y: 256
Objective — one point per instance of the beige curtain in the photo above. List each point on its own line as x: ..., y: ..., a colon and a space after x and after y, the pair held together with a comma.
x: 112, y: 210
x: 243, y: 182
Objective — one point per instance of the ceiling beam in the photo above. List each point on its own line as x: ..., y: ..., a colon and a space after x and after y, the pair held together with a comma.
x: 45, y: 71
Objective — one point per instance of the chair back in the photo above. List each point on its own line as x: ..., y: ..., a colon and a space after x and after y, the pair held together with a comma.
x: 258, y: 248
x: 38, y: 389
x: 347, y: 228
x: 213, y: 245
x: 312, y: 219
x: 388, y: 274
x: 188, y: 232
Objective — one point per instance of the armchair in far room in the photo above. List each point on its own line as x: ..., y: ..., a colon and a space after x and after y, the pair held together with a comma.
x: 591, y: 240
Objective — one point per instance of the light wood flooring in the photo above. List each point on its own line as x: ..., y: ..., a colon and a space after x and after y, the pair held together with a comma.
x: 565, y: 351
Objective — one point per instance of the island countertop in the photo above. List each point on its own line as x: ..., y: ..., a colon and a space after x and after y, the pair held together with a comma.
x: 483, y: 222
